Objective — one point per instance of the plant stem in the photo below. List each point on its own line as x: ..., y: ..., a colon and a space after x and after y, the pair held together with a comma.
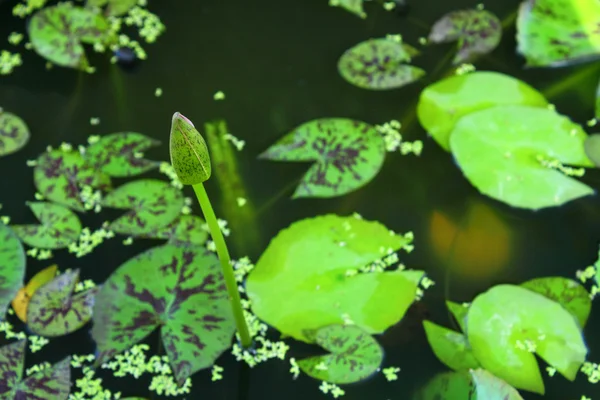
x: 223, y: 253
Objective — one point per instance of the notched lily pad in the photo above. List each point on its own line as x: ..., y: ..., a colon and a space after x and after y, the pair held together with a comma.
x: 59, y: 227
x: 54, y: 310
x: 50, y: 383
x: 21, y: 300
x: 154, y: 204
x: 12, y: 267
x: 478, y: 32
x: 355, y: 355
x: 348, y: 155
x: 57, y: 33
x: 379, y: 64
x: 184, y: 231
x: 450, y: 347
x: 182, y: 291
x: 114, y: 7
x: 14, y: 133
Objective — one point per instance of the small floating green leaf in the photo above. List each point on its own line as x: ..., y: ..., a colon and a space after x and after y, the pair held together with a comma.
x: 154, y: 204
x: 355, y: 355
x: 490, y: 387
x: 478, y: 32
x: 12, y: 267
x: 354, y: 6
x: 184, y: 231
x: 14, y: 133
x: 59, y: 227
x: 450, y: 347
x: 188, y: 151
x: 379, y: 64
x: 348, y: 155
x: 114, y: 7
x: 592, y: 148
x: 507, y: 153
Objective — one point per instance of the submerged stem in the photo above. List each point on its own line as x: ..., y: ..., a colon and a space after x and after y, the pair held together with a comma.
x: 223, y: 254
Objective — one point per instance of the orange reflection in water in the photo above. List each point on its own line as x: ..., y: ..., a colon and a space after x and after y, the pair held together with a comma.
x: 481, y: 245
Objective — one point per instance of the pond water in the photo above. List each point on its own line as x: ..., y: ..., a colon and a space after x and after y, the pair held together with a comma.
x: 276, y: 63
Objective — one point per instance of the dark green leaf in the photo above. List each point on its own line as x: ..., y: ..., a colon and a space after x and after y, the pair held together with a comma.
x: 14, y: 133
x: 348, y: 155
x: 184, y: 231
x: 179, y: 289
x: 188, y: 151
x: 12, y: 267
x: 115, y: 7
x: 450, y: 347
x: 59, y: 227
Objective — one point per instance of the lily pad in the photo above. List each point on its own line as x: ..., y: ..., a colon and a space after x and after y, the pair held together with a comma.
x: 506, y: 319
x: 50, y: 383
x: 348, y: 155
x: 478, y: 32
x: 354, y: 6
x: 60, y: 175
x: 450, y: 347
x: 182, y: 291
x: 355, y: 355
x: 59, y: 227
x: 556, y: 33
x: 490, y: 387
x: 21, y: 301
x: 12, y: 267
x: 443, y: 103
x: 14, y: 133
x: 303, y: 281
x: 55, y: 311
x: 379, y: 64
x: 449, y: 386
x: 184, y: 231
x: 154, y: 204
x: 57, y: 33
x: 567, y: 292
x: 592, y: 148
x: 499, y: 150
x: 114, y: 7
x: 115, y: 154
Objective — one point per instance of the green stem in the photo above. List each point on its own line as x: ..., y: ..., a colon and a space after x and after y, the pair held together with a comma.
x: 223, y: 253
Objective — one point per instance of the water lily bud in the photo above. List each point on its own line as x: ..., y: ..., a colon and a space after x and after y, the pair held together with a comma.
x: 189, y: 154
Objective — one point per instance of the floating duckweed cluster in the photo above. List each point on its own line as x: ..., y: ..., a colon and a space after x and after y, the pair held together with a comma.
x: 237, y: 143
x: 553, y: 163
x: 592, y: 371
x: 8, y: 62
x: 332, y: 389
x: 391, y: 373
x: 393, y: 139
x: 465, y: 69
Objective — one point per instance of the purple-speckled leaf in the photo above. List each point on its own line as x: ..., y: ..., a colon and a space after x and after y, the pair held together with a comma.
x: 12, y: 267
x: 116, y: 154
x: 184, y: 231
x: 59, y: 176
x: 379, y: 64
x: 478, y: 32
x: 355, y: 355
x: 54, y: 310
x: 154, y: 204
x: 348, y: 154
x: 59, y: 227
x: 179, y: 289
x: 14, y: 133
x: 50, y: 383
x: 114, y: 7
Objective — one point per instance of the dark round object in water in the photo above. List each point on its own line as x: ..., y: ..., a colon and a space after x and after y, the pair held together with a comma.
x: 126, y: 57
x: 402, y: 7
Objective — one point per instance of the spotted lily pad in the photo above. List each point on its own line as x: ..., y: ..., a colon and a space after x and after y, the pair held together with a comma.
x: 478, y: 32
x: 14, y: 133
x: 59, y: 227
x: 450, y: 347
x: 184, y: 231
x: 304, y: 280
x: 567, y: 292
x: 21, y: 301
x: 379, y: 64
x: 57, y: 33
x: 507, y: 323
x: 348, y: 155
x: 505, y: 152
x: 182, y: 291
x: 355, y: 355
x: 556, y: 33
x: 491, y: 387
x: 116, y: 154
x: 60, y: 175
x: 443, y: 103
x: 154, y: 204
x: 12, y: 267
x: 54, y: 310
x: 50, y: 383
x: 114, y: 7
x: 354, y: 6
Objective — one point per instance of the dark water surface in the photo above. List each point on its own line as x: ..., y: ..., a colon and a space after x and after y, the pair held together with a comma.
x: 276, y: 62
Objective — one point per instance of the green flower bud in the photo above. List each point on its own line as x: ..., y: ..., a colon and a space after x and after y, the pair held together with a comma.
x: 189, y: 154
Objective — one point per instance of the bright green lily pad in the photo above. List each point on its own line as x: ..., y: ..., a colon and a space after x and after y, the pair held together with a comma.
x: 592, y: 148
x: 556, y: 33
x: 379, y: 64
x: 14, y: 133
x: 443, y: 103
x: 498, y: 149
x: 490, y: 387
x: 301, y: 281
x: 54, y: 310
x: 459, y: 312
x: 12, y: 267
x: 50, y: 383
x: 354, y: 6
x: 348, y: 155
x: 114, y: 7
x: 58, y: 229
x: 478, y: 32
x: 57, y: 33
x: 184, y: 231
x: 503, y: 321
x: 154, y: 204
x: 450, y: 347
x: 116, y: 154
x: 567, y: 292
x: 182, y: 291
